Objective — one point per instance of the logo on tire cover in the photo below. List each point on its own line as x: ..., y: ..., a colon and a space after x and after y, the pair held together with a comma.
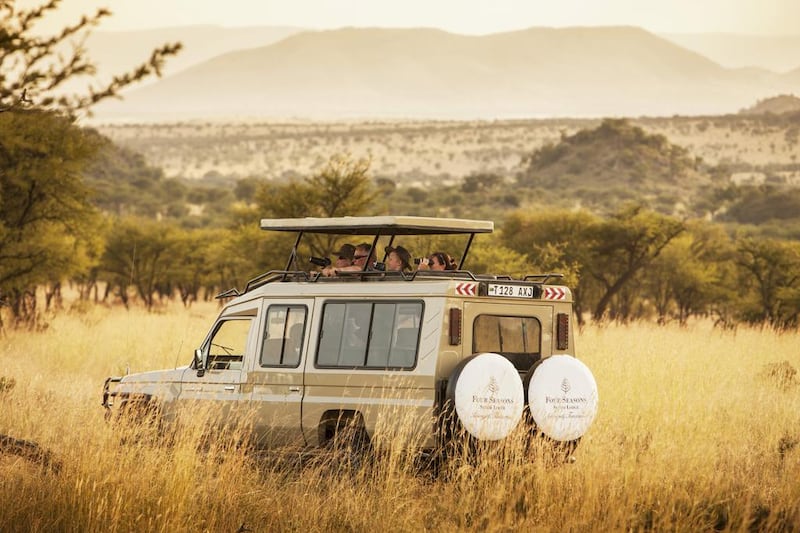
x: 493, y: 386
x: 565, y: 386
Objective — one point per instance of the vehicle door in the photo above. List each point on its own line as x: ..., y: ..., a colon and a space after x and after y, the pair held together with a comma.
x: 276, y: 382
x: 227, y: 351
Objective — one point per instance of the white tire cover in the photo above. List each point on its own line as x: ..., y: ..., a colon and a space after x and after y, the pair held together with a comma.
x: 489, y: 397
x: 562, y: 396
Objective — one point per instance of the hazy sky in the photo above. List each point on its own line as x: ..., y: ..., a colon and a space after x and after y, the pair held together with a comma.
x: 767, y: 17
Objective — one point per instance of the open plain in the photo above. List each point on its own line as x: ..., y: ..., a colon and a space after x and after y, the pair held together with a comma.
x: 697, y: 430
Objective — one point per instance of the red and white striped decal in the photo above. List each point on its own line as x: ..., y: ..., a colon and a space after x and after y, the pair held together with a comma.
x: 554, y: 293
x: 467, y: 289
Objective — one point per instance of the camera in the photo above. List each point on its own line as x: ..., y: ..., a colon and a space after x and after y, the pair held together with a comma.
x: 421, y: 261
x: 381, y: 267
x: 320, y: 261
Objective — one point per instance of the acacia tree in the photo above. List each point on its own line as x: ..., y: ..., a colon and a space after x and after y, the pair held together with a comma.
x: 771, y: 273
x: 46, y: 219
x: 45, y: 209
x: 555, y: 241
x: 692, y: 274
x: 623, y: 246
x: 343, y: 187
x: 141, y: 253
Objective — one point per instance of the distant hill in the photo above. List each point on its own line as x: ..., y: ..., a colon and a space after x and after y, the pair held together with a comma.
x: 784, y: 103
x: 434, y: 74
x: 614, y: 162
x: 779, y: 53
x: 117, y: 52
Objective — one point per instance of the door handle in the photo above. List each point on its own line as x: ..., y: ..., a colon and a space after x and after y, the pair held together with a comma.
x: 294, y: 389
x: 230, y: 388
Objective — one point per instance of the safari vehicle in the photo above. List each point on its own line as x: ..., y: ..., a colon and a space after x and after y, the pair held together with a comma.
x: 307, y: 356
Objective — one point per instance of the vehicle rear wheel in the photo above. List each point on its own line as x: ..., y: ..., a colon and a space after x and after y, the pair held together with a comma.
x: 484, y: 401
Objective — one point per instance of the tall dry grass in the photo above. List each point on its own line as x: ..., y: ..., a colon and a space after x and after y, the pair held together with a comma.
x: 697, y: 430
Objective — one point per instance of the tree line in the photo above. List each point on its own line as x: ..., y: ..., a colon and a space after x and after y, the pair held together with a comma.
x: 634, y: 264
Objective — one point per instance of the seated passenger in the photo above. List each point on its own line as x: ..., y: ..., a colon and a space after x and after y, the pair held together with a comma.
x: 438, y: 261
x: 361, y: 257
x: 344, y: 258
x: 398, y: 259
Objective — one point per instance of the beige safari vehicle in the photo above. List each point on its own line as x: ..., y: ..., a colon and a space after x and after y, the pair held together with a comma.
x: 305, y: 356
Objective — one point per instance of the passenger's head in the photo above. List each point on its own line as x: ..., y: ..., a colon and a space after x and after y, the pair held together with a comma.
x: 362, y: 254
x: 441, y: 261
x: 344, y: 256
x: 397, y: 259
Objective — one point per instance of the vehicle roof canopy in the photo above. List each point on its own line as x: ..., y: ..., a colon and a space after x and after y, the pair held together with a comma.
x: 379, y: 225
x: 376, y: 226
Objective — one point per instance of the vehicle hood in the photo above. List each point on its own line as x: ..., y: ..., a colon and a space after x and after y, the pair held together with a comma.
x: 156, y: 376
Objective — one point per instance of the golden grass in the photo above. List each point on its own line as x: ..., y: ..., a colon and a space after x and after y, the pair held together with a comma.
x: 697, y: 429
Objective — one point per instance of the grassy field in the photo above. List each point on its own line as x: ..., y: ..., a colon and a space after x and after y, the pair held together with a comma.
x: 698, y: 429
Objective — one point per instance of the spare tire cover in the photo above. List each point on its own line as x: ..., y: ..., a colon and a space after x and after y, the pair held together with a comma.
x: 562, y: 396
x: 488, y: 395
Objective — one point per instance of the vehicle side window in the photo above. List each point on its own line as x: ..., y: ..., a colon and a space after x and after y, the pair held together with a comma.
x: 283, y: 336
x: 518, y: 338
x: 369, y: 334
x: 227, y: 347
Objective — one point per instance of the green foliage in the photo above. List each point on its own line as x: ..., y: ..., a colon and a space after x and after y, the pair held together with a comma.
x: 758, y: 205
x: 554, y: 241
x: 601, y: 258
x: 771, y: 275
x: 343, y: 187
x: 124, y: 184
x: 493, y: 257
x: 693, y: 275
x: 481, y: 182
x: 615, y: 154
x: 624, y: 245
x: 139, y: 252
x: 46, y: 222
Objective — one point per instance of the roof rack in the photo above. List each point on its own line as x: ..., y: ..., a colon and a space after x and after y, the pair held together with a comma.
x: 542, y: 278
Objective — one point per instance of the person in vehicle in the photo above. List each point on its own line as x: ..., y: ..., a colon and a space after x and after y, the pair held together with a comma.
x: 438, y: 261
x: 361, y: 255
x: 364, y: 255
x: 398, y: 259
x: 344, y: 257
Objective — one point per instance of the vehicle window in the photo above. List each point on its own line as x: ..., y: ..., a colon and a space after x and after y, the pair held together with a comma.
x: 229, y: 344
x: 518, y: 338
x: 369, y: 334
x: 283, y: 336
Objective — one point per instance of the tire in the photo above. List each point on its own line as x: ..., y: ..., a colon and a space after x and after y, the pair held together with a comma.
x: 562, y: 398
x: 348, y: 439
x: 484, y: 399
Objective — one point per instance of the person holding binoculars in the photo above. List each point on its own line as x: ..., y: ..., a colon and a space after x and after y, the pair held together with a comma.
x: 345, y: 257
x: 435, y: 261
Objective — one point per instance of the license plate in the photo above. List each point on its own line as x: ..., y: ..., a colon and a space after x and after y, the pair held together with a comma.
x: 510, y: 291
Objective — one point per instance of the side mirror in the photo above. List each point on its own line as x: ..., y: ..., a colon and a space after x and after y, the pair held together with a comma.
x: 198, y: 363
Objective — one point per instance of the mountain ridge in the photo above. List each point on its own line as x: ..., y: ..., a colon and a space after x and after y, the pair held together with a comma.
x: 430, y: 73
